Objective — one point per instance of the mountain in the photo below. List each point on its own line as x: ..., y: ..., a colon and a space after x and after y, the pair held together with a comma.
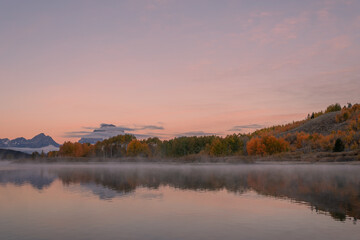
x: 104, y: 132
x: 39, y: 141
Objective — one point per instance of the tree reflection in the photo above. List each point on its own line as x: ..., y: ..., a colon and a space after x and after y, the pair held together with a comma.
x: 325, y: 189
x: 331, y: 189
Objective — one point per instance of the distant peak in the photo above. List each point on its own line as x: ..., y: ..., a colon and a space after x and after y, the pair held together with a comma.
x: 41, y: 135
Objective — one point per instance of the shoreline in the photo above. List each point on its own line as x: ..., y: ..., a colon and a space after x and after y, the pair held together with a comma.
x: 284, y: 158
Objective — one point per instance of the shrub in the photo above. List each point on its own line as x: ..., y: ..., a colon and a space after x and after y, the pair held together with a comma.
x: 333, y: 108
x: 343, y: 116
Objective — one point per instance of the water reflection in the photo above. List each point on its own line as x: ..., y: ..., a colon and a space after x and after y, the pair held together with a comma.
x: 37, y: 178
x: 325, y: 188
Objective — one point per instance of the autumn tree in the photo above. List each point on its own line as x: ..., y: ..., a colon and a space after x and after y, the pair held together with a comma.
x: 137, y: 148
x: 266, y: 145
x: 69, y: 149
x: 255, y: 146
x: 301, y: 139
x: 218, y: 148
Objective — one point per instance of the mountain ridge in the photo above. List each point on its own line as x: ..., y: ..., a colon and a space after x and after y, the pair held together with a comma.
x: 38, y: 141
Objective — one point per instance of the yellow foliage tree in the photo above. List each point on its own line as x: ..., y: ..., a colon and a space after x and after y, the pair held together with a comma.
x: 137, y: 148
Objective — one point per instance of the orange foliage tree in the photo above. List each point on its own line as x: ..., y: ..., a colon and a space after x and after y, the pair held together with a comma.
x: 266, y: 145
x: 69, y: 149
x: 255, y: 147
x: 138, y: 148
x: 301, y: 139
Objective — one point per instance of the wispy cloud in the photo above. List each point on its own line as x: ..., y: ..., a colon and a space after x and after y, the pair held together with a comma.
x: 150, y: 127
x: 194, y: 133
x: 248, y: 126
x: 110, y: 130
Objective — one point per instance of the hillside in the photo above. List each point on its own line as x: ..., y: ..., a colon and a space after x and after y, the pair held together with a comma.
x: 324, y: 124
x: 11, y: 154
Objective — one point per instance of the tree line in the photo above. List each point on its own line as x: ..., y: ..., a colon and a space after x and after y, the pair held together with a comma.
x: 266, y: 141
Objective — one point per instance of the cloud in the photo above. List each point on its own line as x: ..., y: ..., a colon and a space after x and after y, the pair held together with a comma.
x: 108, y: 125
x: 194, y: 133
x: 248, y: 126
x: 103, y: 132
x: 151, y: 127
x: 110, y: 130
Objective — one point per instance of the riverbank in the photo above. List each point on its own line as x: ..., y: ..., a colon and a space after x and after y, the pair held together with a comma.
x: 350, y: 156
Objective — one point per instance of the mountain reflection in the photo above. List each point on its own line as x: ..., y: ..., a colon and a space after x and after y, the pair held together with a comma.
x: 38, y: 179
x: 326, y: 188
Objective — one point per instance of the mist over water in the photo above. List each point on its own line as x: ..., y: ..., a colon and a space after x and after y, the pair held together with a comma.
x: 174, y: 201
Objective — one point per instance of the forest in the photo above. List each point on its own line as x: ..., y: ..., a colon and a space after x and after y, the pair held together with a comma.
x: 336, y: 129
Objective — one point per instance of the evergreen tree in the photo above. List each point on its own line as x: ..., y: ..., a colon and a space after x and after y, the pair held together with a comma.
x: 339, y: 146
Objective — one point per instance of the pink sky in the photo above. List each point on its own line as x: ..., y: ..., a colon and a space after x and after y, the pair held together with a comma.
x: 187, y: 66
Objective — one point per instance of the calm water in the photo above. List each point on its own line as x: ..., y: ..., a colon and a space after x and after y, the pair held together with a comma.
x: 134, y: 201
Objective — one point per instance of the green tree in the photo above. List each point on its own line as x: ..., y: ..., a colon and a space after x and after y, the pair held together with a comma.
x: 218, y: 148
x: 333, y: 108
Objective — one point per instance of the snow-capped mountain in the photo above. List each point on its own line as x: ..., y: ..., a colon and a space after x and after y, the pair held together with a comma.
x: 38, y: 143
x: 40, y: 140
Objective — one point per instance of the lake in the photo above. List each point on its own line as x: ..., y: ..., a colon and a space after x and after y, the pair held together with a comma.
x: 174, y: 201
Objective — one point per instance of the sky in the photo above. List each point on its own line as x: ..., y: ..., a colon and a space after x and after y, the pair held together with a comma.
x: 181, y: 67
